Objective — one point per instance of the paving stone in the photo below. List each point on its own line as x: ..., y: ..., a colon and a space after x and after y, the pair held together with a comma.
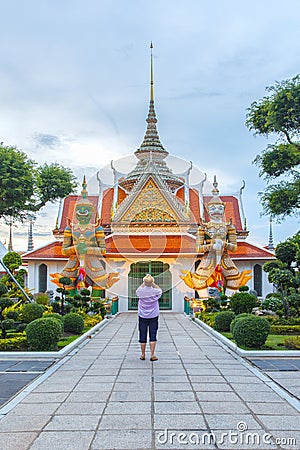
x: 269, y: 408
x: 172, y: 387
x: 11, y: 441
x: 72, y: 422
x: 207, y: 379
x: 34, y: 409
x: 176, y: 407
x: 125, y: 422
x: 231, y: 421
x: 15, y: 423
x: 170, y: 379
x: 207, y: 396
x: 224, y: 408
x: 179, y: 421
x: 125, y: 439
x: 93, y: 387
x: 260, y: 396
x: 129, y: 396
x: 276, y: 423
x: 171, y: 396
x: 52, y: 397
x: 128, y: 408
x: 81, y: 408
x: 89, y: 397
x: 212, y: 387
x: 121, y: 386
x: 63, y: 440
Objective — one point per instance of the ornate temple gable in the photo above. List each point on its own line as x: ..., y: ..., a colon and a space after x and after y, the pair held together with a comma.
x: 151, y: 201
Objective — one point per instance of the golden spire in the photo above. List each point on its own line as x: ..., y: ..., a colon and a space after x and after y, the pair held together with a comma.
x: 84, y: 186
x: 151, y: 75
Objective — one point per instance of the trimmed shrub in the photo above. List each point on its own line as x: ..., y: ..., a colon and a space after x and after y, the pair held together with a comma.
x: 242, y: 302
x: 208, y: 318
x: 13, y: 344
x: 73, y: 323
x: 292, y: 343
x: 223, y: 320
x: 53, y: 316
x: 43, y: 334
x: 42, y: 298
x: 21, y: 327
x: 285, y: 329
x: 244, y: 288
x: 251, y: 332
x: 236, y: 319
x: 91, y: 321
x: 31, y: 311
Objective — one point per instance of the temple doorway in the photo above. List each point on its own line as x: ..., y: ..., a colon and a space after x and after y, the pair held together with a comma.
x: 163, y: 278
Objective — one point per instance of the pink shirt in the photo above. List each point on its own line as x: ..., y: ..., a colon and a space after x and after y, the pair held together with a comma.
x: 148, y: 306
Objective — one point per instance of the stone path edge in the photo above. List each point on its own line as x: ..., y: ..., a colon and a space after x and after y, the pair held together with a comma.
x: 63, y: 359
x: 245, y: 353
x: 272, y: 384
x: 61, y: 353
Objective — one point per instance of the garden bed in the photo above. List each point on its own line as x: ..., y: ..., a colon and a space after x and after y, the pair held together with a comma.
x: 67, y: 348
x: 242, y: 352
x: 273, y: 342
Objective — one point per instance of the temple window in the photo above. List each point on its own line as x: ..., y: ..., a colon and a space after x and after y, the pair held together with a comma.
x: 257, y: 276
x: 43, y: 278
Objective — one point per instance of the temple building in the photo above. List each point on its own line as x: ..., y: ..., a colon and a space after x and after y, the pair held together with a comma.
x: 150, y: 219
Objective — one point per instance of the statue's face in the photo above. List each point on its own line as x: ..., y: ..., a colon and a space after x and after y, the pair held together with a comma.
x: 84, y: 213
x: 216, y: 211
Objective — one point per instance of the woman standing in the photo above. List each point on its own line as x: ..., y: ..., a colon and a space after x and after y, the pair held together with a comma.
x: 148, y: 311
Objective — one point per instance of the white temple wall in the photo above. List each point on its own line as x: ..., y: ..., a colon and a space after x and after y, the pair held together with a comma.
x: 249, y: 265
x: 122, y: 266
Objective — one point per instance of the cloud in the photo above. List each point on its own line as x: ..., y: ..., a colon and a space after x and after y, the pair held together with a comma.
x: 47, y: 140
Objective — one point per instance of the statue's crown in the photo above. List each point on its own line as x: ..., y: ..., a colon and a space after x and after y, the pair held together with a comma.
x: 215, y: 200
x: 84, y: 193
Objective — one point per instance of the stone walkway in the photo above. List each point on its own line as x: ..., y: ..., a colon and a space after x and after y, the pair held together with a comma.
x: 197, y: 395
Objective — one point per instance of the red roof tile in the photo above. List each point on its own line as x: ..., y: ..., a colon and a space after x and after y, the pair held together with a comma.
x: 250, y: 251
x: 50, y: 251
x: 194, y: 205
x: 107, y: 202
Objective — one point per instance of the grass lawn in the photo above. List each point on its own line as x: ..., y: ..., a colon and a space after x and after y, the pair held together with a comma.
x: 67, y: 338
x: 273, y: 342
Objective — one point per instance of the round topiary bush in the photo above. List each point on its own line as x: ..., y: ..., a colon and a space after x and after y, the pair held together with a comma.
x: 223, y: 320
x: 43, y: 334
x: 242, y: 302
x: 53, y: 316
x: 235, y: 320
x: 31, y: 311
x: 251, y: 332
x: 73, y: 323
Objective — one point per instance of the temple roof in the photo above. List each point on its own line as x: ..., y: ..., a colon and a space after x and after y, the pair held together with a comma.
x: 232, y: 210
x: 151, y: 244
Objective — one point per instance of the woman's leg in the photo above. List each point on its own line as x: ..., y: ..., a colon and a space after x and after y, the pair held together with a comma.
x: 143, y: 335
x: 153, y: 327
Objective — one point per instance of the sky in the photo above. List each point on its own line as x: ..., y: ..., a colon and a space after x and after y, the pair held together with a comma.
x: 74, y: 87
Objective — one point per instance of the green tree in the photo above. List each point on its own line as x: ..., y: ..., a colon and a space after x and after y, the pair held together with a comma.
x: 26, y: 187
x: 284, y: 275
x: 279, y: 113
